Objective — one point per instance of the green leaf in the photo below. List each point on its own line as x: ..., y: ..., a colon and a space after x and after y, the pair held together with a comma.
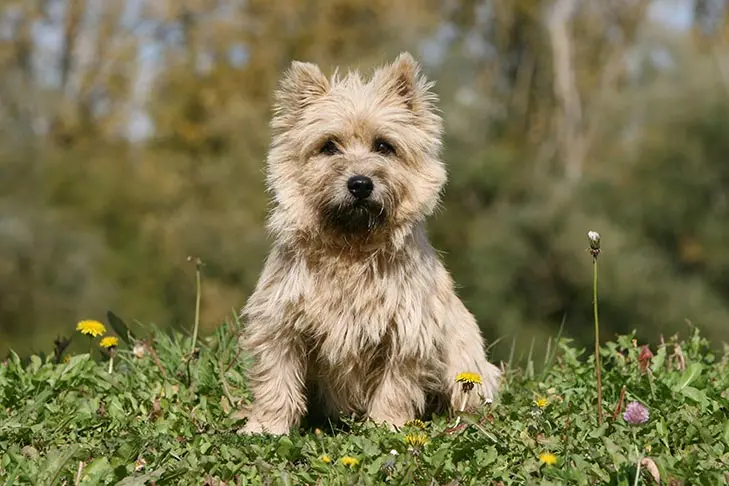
x: 658, y: 360
x: 120, y: 328
x: 57, y: 459
x: 284, y: 447
x: 141, y: 479
x: 599, y: 432
x: 696, y: 395
x: 487, y: 457
x: 692, y: 373
x: 96, y: 470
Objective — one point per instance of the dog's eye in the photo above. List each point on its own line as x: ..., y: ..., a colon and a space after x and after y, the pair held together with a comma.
x: 383, y: 147
x: 329, y: 148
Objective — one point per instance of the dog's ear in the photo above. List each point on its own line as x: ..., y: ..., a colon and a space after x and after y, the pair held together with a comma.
x: 301, y: 84
x: 403, y: 78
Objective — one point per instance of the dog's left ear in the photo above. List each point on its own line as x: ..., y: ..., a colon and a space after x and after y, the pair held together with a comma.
x: 404, y: 79
x: 302, y: 84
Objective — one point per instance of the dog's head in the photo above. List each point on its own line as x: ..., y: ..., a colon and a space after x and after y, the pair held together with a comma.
x: 353, y: 159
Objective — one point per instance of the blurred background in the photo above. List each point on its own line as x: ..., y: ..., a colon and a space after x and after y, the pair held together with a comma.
x: 133, y: 135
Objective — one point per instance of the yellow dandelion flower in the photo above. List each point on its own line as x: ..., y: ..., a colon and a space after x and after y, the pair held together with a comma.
x: 91, y: 328
x: 541, y: 402
x: 349, y: 461
x: 417, y: 423
x: 109, y: 342
x: 416, y: 440
x: 548, y: 458
x: 469, y: 377
x: 325, y: 459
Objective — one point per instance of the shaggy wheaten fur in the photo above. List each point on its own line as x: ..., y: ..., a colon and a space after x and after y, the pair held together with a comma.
x: 353, y: 303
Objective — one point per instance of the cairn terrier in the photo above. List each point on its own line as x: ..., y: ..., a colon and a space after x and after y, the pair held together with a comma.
x: 353, y: 310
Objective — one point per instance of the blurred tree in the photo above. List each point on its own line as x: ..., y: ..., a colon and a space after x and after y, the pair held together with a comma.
x: 133, y: 134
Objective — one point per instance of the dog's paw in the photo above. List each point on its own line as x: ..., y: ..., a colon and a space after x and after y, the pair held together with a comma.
x: 483, y: 393
x: 253, y: 427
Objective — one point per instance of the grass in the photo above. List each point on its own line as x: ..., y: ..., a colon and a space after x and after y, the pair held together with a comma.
x: 166, y: 417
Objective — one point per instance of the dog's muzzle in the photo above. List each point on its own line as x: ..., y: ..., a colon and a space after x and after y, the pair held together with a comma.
x: 359, y: 216
x: 359, y: 211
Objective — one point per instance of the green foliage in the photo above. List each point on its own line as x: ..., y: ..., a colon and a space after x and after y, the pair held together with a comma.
x: 168, y: 418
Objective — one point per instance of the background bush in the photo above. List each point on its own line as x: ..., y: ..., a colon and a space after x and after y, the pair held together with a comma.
x: 133, y: 134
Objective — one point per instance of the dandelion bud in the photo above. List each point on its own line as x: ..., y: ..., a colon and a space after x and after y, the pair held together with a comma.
x: 594, y: 238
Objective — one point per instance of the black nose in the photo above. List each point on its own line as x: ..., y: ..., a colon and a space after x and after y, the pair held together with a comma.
x: 360, y: 186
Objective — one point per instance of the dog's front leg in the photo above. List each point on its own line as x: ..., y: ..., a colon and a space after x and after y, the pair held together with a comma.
x: 464, y: 352
x: 276, y: 380
x: 398, y: 398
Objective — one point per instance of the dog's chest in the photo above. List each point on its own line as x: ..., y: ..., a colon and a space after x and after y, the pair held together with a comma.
x: 355, y: 312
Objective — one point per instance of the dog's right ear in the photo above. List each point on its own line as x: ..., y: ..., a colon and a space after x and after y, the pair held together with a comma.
x: 301, y: 84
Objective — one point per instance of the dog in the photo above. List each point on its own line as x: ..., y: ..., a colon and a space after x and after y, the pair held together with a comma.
x: 353, y: 308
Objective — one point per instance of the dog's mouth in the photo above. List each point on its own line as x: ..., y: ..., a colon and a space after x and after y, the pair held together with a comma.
x: 355, y: 217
